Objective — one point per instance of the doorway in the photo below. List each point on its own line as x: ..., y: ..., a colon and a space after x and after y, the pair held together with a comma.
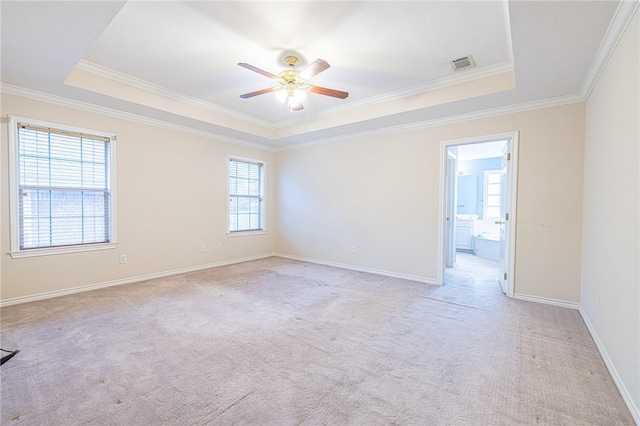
x: 478, y: 200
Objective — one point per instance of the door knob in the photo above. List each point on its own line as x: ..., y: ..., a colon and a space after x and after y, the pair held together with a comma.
x: 498, y: 222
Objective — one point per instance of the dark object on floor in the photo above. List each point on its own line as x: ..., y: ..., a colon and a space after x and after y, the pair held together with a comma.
x: 8, y: 357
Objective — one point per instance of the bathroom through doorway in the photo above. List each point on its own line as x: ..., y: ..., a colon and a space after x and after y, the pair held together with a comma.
x: 479, y: 209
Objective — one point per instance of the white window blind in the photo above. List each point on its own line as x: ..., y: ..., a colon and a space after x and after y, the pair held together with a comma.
x: 64, y: 187
x: 246, y: 195
x: 492, y: 194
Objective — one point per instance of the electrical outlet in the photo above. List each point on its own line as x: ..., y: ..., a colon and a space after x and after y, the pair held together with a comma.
x: 123, y: 258
x: 219, y: 246
x: 203, y: 248
x: 353, y: 249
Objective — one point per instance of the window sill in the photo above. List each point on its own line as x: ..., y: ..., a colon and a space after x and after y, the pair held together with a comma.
x: 245, y: 233
x: 60, y: 250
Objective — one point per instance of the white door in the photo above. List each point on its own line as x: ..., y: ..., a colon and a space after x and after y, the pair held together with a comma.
x: 450, y: 211
x: 505, y: 223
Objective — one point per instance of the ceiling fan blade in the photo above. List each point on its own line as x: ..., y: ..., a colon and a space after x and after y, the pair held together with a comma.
x: 258, y: 92
x: 258, y: 70
x: 328, y: 92
x: 314, y: 68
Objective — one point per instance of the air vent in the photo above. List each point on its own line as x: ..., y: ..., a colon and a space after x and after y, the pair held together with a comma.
x: 462, y: 63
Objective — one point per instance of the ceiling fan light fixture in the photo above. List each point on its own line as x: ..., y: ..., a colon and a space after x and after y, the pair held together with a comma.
x: 298, y: 96
x: 295, y: 107
x: 282, y: 95
x: 295, y: 99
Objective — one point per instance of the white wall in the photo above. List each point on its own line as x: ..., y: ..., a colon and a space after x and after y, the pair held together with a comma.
x: 171, y: 199
x: 610, y: 290
x: 381, y: 195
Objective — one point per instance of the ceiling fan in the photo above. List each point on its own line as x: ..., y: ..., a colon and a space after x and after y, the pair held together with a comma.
x: 293, y: 85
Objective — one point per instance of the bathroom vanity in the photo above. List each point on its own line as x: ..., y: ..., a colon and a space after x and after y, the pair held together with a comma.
x: 464, y: 232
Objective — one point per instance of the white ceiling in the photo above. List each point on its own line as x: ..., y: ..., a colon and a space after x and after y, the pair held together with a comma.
x: 194, y: 48
x: 177, y: 61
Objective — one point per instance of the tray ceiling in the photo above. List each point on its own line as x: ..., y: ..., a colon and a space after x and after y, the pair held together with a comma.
x: 177, y: 61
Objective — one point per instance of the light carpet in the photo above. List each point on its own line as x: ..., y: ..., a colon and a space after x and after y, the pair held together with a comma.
x: 282, y: 342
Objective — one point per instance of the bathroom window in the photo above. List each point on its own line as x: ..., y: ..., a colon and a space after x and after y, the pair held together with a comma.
x: 492, y: 193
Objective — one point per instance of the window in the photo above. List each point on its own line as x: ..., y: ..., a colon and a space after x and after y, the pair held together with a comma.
x: 61, y: 189
x: 246, y: 195
x: 492, y: 193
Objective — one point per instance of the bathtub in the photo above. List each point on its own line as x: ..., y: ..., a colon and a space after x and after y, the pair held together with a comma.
x: 487, y: 246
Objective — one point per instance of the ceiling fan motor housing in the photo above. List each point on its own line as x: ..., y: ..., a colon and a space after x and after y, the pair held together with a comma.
x: 290, y: 80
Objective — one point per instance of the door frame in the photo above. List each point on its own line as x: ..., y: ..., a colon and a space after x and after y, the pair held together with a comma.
x: 512, y: 186
x: 450, y: 208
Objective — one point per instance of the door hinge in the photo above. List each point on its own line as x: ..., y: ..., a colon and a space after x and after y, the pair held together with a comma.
x: 508, y: 156
x: 506, y: 216
x: 505, y: 276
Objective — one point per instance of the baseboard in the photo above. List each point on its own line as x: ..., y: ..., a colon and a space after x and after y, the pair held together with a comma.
x: 359, y: 268
x: 635, y: 411
x: 546, y: 300
x: 129, y: 280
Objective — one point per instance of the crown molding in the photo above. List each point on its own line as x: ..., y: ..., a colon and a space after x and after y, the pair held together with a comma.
x: 168, y: 93
x: 462, y: 76
x: 11, y: 89
x: 621, y: 19
x: 492, y: 112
